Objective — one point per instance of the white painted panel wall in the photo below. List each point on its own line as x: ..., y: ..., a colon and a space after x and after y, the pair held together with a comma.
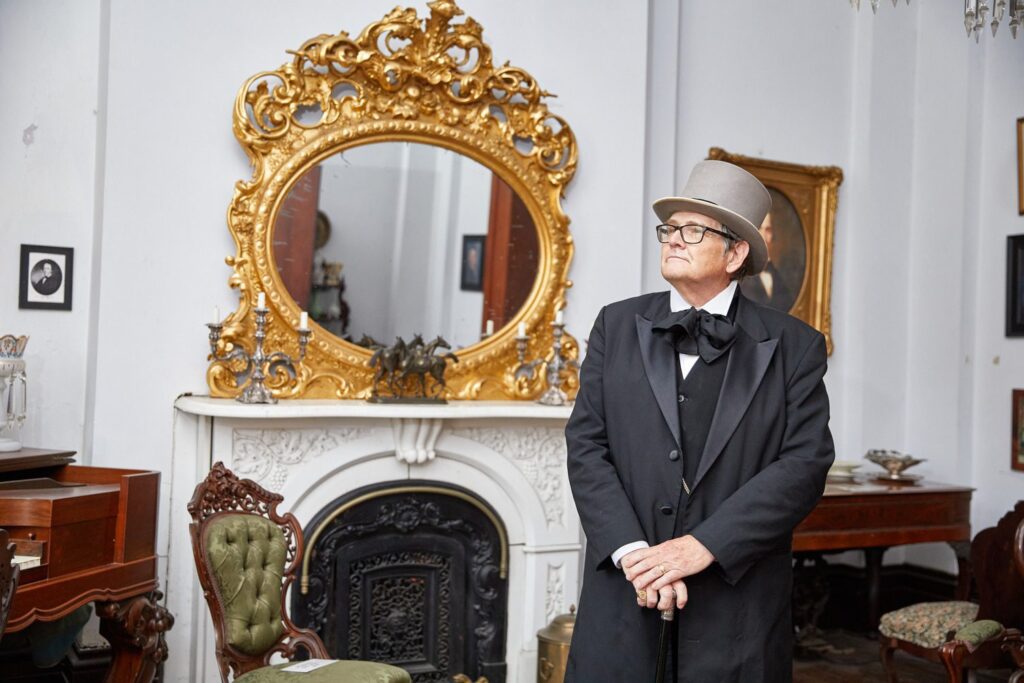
x: 49, y: 75
x: 998, y: 361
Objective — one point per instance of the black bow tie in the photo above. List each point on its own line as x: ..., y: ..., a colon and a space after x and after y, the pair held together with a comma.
x: 696, y: 332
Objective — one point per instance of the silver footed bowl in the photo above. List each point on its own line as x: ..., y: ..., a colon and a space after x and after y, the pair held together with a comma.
x: 12, y: 347
x: 894, y: 462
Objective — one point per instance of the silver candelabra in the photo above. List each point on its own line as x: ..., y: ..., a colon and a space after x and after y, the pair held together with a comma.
x: 554, y: 395
x: 258, y: 365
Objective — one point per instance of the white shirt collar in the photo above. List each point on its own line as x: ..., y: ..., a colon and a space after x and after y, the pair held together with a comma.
x: 719, y: 305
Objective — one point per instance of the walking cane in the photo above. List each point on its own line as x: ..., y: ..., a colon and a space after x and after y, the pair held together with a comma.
x: 667, y: 617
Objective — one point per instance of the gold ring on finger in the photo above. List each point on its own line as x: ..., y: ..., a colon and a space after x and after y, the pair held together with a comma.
x: 641, y: 595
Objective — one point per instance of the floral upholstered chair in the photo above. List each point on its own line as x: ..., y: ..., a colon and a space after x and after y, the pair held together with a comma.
x: 967, y: 635
x: 246, y: 554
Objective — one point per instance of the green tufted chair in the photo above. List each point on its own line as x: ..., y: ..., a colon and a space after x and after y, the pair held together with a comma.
x: 246, y: 554
x: 967, y: 635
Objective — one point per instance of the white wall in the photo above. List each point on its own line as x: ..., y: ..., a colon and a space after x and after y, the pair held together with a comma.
x: 49, y: 73
x: 464, y: 310
x: 998, y: 361
x: 357, y: 192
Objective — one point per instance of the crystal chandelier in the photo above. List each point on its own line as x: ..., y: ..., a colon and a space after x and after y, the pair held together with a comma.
x: 977, y: 12
x: 874, y: 4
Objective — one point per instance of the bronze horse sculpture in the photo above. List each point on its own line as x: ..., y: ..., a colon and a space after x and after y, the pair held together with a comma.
x: 420, y: 361
x: 417, y: 359
x: 387, y: 360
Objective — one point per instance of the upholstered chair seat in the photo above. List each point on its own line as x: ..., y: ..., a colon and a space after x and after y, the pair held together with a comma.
x: 978, y: 632
x: 347, y: 671
x: 928, y: 624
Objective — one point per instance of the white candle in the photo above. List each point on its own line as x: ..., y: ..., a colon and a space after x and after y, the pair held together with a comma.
x: 216, y: 314
x: 261, y: 300
x: 521, y: 330
x: 304, y: 321
x: 558, y: 317
x: 490, y: 328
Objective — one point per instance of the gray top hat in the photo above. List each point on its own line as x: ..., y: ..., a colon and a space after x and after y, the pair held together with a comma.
x: 731, y: 196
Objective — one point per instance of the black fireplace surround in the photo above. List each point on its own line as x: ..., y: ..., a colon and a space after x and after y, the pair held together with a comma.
x: 409, y: 573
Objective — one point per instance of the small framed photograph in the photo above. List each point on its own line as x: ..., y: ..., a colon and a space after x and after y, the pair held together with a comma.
x: 1017, y: 447
x: 46, y: 277
x: 1015, y: 286
x: 472, y: 279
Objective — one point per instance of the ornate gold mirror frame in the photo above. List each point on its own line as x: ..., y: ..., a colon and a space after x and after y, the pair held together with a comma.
x: 402, y: 79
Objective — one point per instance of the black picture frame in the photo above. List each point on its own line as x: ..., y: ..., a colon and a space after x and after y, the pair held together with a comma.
x: 471, y: 278
x: 1015, y: 286
x: 44, y: 290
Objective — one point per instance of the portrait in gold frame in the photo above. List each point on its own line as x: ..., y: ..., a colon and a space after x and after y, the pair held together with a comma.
x: 404, y: 78
x: 804, y: 202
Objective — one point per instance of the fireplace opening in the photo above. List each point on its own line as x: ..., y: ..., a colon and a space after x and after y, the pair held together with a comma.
x: 411, y: 573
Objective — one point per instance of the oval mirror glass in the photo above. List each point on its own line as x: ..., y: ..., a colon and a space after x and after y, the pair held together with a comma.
x: 399, y: 238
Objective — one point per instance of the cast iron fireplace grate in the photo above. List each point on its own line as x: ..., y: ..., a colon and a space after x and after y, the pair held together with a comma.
x: 411, y: 573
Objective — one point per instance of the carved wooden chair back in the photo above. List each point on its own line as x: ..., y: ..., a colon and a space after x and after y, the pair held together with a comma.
x: 224, y: 504
x: 9, y: 573
x: 997, y: 567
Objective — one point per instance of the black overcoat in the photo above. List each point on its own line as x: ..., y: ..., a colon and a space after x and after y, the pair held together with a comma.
x: 761, y: 472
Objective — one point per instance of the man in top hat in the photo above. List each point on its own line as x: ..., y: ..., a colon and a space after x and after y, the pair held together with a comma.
x: 698, y: 441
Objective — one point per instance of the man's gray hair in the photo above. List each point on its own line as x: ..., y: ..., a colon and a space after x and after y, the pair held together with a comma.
x: 731, y: 244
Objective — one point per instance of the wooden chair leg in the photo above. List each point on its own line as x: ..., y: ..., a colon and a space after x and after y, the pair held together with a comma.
x: 886, y: 653
x: 1013, y: 643
x: 952, y: 655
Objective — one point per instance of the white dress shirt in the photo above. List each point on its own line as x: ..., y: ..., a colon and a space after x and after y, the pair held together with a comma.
x: 719, y: 305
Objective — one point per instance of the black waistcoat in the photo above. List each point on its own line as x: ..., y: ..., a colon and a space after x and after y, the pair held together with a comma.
x: 697, y: 398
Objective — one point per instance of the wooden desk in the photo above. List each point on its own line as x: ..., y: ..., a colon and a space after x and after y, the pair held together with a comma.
x: 93, y: 530
x: 872, y: 516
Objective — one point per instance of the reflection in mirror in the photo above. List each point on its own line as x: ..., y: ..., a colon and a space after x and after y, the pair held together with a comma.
x: 779, y: 284
x: 397, y: 239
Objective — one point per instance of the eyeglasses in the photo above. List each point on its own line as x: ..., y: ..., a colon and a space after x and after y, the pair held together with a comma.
x: 692, y: 233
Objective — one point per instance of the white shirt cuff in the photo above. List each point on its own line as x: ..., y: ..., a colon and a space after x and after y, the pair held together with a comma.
x: 627, y: 549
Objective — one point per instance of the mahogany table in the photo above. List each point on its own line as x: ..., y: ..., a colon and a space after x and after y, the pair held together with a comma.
x: 872, y: 515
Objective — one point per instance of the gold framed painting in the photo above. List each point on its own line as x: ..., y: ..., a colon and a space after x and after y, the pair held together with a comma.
x: 799, y: 231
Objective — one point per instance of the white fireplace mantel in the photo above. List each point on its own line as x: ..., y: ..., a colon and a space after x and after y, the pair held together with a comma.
x: 510, y: 453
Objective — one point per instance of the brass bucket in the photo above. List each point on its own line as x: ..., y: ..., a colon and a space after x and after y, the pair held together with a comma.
x: 553, y: 647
